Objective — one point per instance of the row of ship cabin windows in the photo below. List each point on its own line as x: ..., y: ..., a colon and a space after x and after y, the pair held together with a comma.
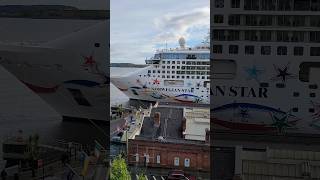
x: 272, y: 5
x: 182, y: 77
x: 266, y: 35
x: 268, y: 20
x: 188, y: 62
x: 182, y: 56
x: 266, y: 50
x: 176, y: 161
x: 181, y: 72
x: 187, y: 67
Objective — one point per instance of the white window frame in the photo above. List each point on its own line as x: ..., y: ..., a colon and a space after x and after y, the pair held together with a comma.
x: 187, y: 162
x: 176, y: 161
x: 158, y: 159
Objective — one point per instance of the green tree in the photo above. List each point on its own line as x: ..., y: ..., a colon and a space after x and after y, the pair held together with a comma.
x: 119, y: 170
x: 141, y: 176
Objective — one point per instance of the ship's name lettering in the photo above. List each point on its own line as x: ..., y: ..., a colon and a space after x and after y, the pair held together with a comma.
x: 236, y: 91
x: 173, y: 90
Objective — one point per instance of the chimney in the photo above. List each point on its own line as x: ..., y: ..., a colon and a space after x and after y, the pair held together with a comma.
x: 207, y: 135
x: 156, y: 119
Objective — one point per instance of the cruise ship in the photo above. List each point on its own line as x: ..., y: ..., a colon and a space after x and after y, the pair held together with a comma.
x: 265, y: 66
x: 68, y: 72
x: 179, y: 75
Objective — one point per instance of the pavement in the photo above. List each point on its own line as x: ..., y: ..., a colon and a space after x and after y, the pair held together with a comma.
x: 162, y: 173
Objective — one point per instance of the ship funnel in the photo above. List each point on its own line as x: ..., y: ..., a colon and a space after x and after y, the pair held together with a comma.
x: 182, y: 43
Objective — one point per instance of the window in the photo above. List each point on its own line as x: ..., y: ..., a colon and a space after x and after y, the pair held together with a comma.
x: 176, y: 161
x: 298, y: 51
x: 298, y: 21
x: 249, y: 49
x: 173, y: 67
x: 283, y: 20
x: 284, y: 5
x: 282, y: 36
x: 234, y: 19
x: 168, y: 62
x: 265, y: 36
x: 282, y: 50
x: 315, y: 36
x: 158, y: 159
x: 315, y: 21
x: 218, y: 35
x: 219, y: 3
x: 301, y: 5
x: 265, y: 50
x: 309, y: 71
x: 168, y: 67
x: 218, y: 18
x: 233, y: 35
x: 269, y: 5
x: 79, y: 97
x: 251, y: 20
x: 173, y: 62
x: 250, y: 35
x: 235, y: 3
x: 217, y: 49
x: 297, y: 36
x: 265, y: 20
x: 233, y: 49
x: 315, y: 5
x: 251, y: 5
x: 186, y: 162
x: 146, y: 156
x: 315, y: 51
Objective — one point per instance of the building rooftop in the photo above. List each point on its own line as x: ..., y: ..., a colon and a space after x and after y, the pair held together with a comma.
x: 170, y: 123
x: 197, y: 121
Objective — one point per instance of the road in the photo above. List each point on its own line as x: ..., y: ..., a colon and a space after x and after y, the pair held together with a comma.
x: 114, y: 124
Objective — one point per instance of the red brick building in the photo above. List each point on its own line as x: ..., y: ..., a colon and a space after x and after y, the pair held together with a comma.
x: 178, y: 155
x: 162, y: 144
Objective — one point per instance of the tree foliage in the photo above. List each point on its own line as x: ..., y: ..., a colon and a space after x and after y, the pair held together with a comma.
x: 119, y: 170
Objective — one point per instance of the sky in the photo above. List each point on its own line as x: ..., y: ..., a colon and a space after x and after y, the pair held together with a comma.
x: 138, y: 28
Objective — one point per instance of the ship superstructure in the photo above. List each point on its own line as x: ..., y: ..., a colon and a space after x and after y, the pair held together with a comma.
x: 172, y: 75
x: 266, y: 65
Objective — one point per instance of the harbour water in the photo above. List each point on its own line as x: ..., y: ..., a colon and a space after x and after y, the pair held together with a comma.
x: 51, y: 127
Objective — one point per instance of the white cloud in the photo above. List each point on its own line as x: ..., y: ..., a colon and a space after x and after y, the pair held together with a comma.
x: 174, y: 25
x: 139, y: 27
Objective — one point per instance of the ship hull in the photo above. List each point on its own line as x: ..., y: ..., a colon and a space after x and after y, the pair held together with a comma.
x: 139, y: 85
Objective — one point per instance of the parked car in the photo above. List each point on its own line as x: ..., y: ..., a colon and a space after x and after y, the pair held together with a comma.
x: 179, y: 174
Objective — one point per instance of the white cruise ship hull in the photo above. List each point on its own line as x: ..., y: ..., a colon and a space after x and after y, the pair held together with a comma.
x: 143, y: 86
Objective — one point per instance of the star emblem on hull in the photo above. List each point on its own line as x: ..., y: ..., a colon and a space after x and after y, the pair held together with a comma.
x: 253, y: 73
x: 282, y: 73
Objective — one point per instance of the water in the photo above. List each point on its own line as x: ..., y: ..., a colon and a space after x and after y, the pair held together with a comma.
x: 21, y: 109
x: 33, y: 115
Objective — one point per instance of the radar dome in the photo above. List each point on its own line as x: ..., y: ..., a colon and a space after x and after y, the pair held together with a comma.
x: 182, y: 42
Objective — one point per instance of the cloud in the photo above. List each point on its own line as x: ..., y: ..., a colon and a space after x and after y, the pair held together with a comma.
x: 140, y: 27
x: 174, y: 25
